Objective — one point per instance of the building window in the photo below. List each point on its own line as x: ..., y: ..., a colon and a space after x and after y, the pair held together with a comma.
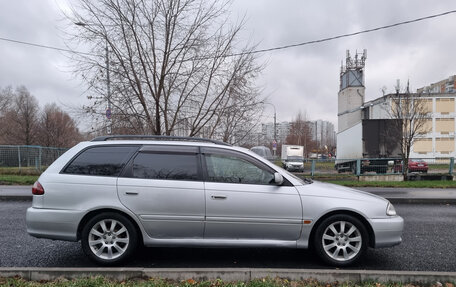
x: 422, y: 146
x: 444, y: 126
x: 444, y: 105
x: 444, y: 145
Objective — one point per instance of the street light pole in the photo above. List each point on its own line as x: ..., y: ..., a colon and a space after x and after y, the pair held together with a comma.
x: 275, y: 126
x: 108, y: 82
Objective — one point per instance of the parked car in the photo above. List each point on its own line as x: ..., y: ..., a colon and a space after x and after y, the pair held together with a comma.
x: 263, y: 151
x: 117, y: 192
x: 416, y: 165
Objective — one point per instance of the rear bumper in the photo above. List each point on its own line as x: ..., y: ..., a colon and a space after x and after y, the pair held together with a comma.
x: 388, y: 231
x: 52, y: 223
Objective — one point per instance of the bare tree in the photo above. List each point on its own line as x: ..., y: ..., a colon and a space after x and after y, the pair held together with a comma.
x: 301, y: 133
x: 21, y: 118
x: 410, y: 113
x: 172, y: 65
x: 5, y: 102
x: 239, y: 118
x: 6, y: 94
x: 57, y: 128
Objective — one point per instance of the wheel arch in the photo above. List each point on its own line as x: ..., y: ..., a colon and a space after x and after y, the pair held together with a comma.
x: 358, y: 216
x: 93, y: 213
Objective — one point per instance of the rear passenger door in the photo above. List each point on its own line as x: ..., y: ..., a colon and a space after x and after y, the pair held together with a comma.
x: 163, y: 186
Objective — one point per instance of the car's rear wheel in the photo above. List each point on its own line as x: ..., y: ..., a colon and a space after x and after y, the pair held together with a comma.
x: 341, y: 240
x: 109, y: 238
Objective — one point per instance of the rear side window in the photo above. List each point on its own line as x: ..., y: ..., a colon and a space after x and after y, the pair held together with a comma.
x: 101, y: 161
x: 171, y: 166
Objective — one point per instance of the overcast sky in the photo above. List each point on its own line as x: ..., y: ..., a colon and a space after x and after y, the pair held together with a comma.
x: 298, y: 79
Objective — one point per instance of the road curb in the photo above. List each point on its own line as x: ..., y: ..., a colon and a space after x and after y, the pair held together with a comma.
x: 231, y: 274
x: 395, y: 200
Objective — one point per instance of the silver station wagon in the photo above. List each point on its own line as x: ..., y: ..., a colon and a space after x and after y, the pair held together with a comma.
x: 117, y: 192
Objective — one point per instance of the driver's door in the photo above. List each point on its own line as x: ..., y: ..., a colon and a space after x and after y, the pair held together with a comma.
x: 243, y: 202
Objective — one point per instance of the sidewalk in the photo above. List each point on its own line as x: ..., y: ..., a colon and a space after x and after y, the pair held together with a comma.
x: 395, y: 195
x: 15, y: 192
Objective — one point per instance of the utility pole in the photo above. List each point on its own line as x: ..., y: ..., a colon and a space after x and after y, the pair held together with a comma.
x: 108, y: 81
x: 275, y: 127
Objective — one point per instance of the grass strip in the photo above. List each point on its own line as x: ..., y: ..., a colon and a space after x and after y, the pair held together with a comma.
x: 21, y: 171
x: 10, y: 179
x: 267, y: 282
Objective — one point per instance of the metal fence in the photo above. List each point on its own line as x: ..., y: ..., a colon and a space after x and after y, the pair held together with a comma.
x: 378, y: 166
x: 37, y: 157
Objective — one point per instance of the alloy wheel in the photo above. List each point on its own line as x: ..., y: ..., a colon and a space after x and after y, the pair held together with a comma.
x: 342, y: 240
x: 108, y: 239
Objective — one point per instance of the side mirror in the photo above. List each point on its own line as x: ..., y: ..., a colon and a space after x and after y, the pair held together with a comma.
x: 278, y: 178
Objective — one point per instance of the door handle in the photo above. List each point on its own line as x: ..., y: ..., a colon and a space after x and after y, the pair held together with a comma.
x: 131, y: 193
x: 218, y: 197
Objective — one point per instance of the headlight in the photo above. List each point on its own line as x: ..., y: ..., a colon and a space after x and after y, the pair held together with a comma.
x: 390, y: 210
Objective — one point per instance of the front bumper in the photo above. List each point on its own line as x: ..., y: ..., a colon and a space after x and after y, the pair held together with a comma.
x: 388, y: 231
x: 295, y: 167
x: 53, y: 223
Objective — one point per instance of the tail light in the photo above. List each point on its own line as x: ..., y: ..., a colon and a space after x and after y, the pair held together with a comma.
x: 37, y: 189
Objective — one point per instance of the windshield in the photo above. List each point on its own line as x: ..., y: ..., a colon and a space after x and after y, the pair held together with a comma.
x: 295, y: 158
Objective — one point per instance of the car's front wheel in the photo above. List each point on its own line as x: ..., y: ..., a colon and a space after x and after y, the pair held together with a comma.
x: 109, y: 238
x: 340, y: 240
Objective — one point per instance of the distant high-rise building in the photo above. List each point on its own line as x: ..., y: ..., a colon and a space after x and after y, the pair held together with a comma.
x: 443, y: 86
x: 282, y: 131
x: 323, y: 133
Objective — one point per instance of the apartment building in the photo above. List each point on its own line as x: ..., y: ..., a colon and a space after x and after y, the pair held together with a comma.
x: 443, y: 86
x: 439, y: 141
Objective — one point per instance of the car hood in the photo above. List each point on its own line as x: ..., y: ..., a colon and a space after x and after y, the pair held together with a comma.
x: 321, y: 189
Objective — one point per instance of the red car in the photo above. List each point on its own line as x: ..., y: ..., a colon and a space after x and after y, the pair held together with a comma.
x: 416, y: 165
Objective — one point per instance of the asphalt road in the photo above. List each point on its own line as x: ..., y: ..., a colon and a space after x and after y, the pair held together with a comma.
x: 428, y: 245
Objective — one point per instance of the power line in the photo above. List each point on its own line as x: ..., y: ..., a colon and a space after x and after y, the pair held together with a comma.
x: 45, y: 46
x: 344, y: 35
x: 262, y: 50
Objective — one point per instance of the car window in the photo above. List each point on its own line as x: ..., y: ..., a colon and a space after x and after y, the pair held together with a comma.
x: 172, y: 166
x: 232, y: 169
x: 101, y: 161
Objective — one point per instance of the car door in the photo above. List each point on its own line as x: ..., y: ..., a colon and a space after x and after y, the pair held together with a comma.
x: 242, y: 201
x: 163, y: 186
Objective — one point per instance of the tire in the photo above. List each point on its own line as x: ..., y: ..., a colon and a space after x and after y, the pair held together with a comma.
x: 337, y: 250
x: 109, y: 238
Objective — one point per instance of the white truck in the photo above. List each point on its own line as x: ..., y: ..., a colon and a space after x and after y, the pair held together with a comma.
x: 293, y: 157
x: 372, y: 143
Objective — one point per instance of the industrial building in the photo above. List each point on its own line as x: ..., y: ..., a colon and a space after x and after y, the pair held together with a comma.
x: 354, y: 114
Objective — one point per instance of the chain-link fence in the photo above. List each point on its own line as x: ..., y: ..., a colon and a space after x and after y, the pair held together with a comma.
x: 36, y: 157
x: 377, y: 166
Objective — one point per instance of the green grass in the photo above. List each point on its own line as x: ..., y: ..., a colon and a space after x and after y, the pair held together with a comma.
x: 11, y: 179
x: 267, y: 282
x: 20, y: 171
x: 409, y: 184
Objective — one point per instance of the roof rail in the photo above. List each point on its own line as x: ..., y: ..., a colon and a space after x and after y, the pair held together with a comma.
x: 158, y: 137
